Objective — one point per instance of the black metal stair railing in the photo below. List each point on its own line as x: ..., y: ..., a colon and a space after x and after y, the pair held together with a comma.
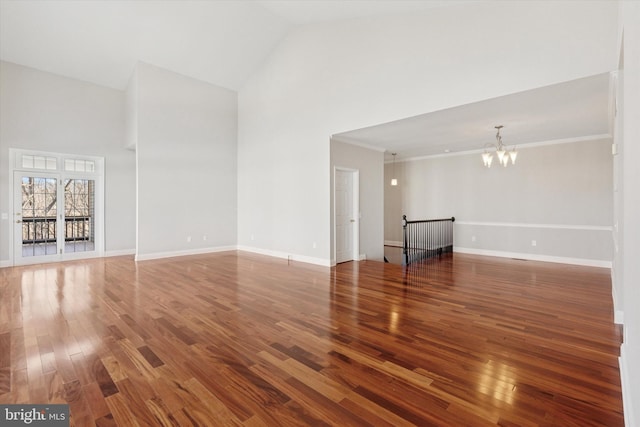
x: 426, y: 238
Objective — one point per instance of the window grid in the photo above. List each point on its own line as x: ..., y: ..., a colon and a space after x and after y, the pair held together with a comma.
x: 79, y: 165
x: 39, y: 162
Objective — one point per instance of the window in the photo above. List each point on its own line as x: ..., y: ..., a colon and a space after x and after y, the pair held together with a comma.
x: 39, y: 162
x: 79, y: 165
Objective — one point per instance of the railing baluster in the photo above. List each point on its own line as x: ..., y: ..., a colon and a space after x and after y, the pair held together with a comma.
x: 426, y: 238
x: 404, y: 240
x: 432, y: 242
x: 43, y: 229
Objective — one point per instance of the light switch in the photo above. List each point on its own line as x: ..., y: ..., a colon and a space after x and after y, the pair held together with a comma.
x: 5, y: 215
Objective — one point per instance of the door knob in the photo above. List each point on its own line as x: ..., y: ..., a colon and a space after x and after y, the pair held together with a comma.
x: 18, y: 221
x: 352, y: 220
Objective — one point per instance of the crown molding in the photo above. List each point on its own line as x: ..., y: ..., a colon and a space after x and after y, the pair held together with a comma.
x: 520, y: 146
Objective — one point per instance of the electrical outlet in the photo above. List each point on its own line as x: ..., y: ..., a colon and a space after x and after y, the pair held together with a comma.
x: 253, y: 237
x: 188, y: 239
x: 204, y: 237
x: 534, y: 243
x: 315, y: 245
x: 473, y: 238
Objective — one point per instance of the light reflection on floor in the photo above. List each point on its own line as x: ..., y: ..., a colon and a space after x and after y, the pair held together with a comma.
x: 47, y: 290
x: 498, y: 381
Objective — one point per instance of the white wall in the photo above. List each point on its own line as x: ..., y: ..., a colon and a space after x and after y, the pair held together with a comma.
x: 131, y: 112
x: 329, y: 78
x: 629, y: 215
x: 617, y: 270
x: 43, y: 111
x: 558, y: 195
x: 369, y: 163
x: 394, y: 206
x: 186, y: 164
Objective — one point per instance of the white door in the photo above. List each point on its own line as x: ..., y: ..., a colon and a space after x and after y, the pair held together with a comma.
x: 345, y: 217
x: 54, y: 217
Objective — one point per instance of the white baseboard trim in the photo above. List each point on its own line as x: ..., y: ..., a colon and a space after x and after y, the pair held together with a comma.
x: 285, y: 255
x: 6, y: 263
x: 171, y: 254
x: 392, y: 243
x: 119, y: 252
x: 627, y: 403
x: 362, y: 257
x: 535, y: 257
x: 618, y: 317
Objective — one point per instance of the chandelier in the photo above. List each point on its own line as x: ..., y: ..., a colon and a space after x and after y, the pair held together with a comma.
x: 501, y: 151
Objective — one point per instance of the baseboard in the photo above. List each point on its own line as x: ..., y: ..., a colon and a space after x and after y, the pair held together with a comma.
x: 171, y: 254
x: 619, y: 314
x: 535, y: 257
x: 285, y: 255
x: 627, y: 403
x: 119, y: 252
x: 392, y: 243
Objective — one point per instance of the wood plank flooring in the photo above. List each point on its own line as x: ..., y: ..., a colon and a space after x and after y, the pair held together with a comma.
x: 246, y: 340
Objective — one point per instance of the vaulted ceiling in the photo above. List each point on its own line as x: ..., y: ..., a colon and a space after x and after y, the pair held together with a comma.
x: 220, y: 42
x: 223, y: 42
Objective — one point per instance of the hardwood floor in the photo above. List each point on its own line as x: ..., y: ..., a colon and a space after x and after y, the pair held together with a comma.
x: 241, y: 339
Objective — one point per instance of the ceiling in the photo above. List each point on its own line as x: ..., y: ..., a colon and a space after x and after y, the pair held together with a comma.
x: 223, y: 42
x: 312, y: 11
x: 217, y: 41
x: 573, y: 110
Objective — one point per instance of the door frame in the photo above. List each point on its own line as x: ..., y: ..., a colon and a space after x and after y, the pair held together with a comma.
x: 15, y: 157
x: 355, y: 209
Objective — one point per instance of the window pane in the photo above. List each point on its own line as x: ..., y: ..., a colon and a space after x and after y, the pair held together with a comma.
x: 27, y: 161
x: 39, y: 216
x: 51, y: 163
x: 79, y: 212
x: 39, y: 162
